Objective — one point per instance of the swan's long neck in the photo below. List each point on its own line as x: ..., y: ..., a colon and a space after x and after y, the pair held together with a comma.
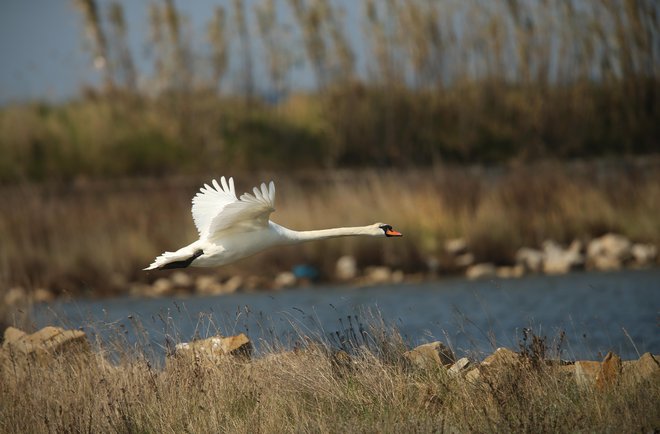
x: 302, y: 236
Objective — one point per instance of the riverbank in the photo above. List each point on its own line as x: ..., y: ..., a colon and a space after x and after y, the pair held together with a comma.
x: 92, y: 239
x: 372, y: 382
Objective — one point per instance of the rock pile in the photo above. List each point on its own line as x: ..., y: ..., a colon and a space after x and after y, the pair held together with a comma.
x: 606, y: 253
x: 600, y: 375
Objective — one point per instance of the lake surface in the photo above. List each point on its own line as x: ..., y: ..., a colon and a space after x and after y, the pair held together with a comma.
x: 598, y: 312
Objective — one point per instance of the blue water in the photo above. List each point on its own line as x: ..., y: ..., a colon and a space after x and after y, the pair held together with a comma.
x: 598, y: 312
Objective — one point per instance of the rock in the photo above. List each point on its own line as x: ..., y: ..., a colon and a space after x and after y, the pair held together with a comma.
x: 205, y: 284
x: 610, y: 371
x: 215, y: 348
x: 510, y: 272
x: 431, y: 355
x: 558, y: 260
x: 138, y: 289
x: 586, y: 372
x: 181, y: 279
x: 285, y: 279
x: 481, y: 271
x: 464, y: 260
x: 473, y: 376
x: 605, y: 263
x: 376, y: 275
x: 233, y: 284
x: 346, y: 268
x: 162, y: 286
x: 461, y: 366
x: 254, y: 283
x: 12, y: 334
x: 644, y: 254
x: 500, y: 358
x: 530, y: 259
x: 644, y: 369
x: 15, y: 296
x: 456, y: 246
x: 397, y: 276
x: 48, y: 340
x: 608, y: 252
x: 42, y: 295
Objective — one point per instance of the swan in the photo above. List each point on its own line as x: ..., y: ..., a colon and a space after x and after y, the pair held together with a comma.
x: 231, y: 228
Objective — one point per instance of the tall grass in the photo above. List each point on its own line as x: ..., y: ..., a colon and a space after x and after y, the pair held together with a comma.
x: 307, y: 390
x: 97, y: 236
x: 424, y: 81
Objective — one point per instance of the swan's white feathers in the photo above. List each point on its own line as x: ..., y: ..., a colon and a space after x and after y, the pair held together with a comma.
x: 217, y: 209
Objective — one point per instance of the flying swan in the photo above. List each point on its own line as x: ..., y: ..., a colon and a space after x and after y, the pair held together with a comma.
x: 231, y: 228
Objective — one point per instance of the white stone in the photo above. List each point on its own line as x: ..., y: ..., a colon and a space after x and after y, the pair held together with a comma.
x: 456, y: 246
x: 233, y: 284
x: 380, y: 274
x: 510, y: 272
x: 286, y: 279
x: 181, y: 279
x: 531, y: 259
x: 346, y: 268
x: 613, y: 245
x: 558, y: 260
x: 461, y: 365
x: 481, y: 271
x: 644, y: 254
x: 464, y: 260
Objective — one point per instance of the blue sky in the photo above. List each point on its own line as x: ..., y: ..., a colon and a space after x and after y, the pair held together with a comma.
x: 44, y: 55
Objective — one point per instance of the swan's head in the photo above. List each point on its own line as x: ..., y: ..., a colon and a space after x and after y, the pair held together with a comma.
x: 383, y: 229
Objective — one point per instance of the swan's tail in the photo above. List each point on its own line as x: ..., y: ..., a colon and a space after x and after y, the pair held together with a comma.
x: 179, y: 259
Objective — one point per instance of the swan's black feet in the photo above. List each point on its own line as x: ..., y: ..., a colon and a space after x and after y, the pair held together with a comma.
x: 184, y: 263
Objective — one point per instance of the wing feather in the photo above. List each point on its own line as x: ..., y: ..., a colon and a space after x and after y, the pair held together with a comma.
x: 216, y: 209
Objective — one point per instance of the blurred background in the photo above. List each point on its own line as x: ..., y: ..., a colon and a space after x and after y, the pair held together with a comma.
x: 477, y: 128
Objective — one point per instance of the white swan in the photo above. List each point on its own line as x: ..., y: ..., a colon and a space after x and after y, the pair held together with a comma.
x: 231, y: 228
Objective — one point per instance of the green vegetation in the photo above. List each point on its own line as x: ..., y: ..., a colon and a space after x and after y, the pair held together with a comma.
x: 440, y: 82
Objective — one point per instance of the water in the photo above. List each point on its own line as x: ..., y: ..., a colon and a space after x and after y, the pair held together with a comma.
x: 598, y: 312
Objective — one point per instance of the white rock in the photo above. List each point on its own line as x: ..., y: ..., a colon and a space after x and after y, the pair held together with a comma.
x: 233, y: 284
x: 346, y: 268
x: 42, y: 295
x: 558, y: 260
x: 644, y: 254
x: 464, y: 260
x: 481, y: 271
x: 613, y: 245
x: 531, y: 259
x: 397, y: 276
x: 181, y: 279
x: 285, y: 279
x: 205, y: 284
x: 456, y: 246
x: 15, y: 295
x: 160, y: 287
x: 380, y: 274
x: 510, y: 272
x: 461, y: 365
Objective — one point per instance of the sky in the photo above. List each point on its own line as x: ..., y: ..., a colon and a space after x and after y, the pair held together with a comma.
x: 44, y: 56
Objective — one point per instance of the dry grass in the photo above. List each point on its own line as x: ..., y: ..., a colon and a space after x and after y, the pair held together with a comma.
x: 93, y: 238
x: 306, y: 391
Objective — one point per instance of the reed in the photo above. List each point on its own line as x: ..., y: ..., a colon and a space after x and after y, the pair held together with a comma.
x: 95, y: 237
x: 306, y: 390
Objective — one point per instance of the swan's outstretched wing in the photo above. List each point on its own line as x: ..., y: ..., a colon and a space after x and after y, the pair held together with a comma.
x: 216, y: 208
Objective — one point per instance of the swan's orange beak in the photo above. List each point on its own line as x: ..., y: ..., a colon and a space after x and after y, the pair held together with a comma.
x: 393, y: 233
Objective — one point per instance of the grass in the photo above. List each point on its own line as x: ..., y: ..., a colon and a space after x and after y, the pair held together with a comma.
x: 306, y: 390
x: 94, y: 237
